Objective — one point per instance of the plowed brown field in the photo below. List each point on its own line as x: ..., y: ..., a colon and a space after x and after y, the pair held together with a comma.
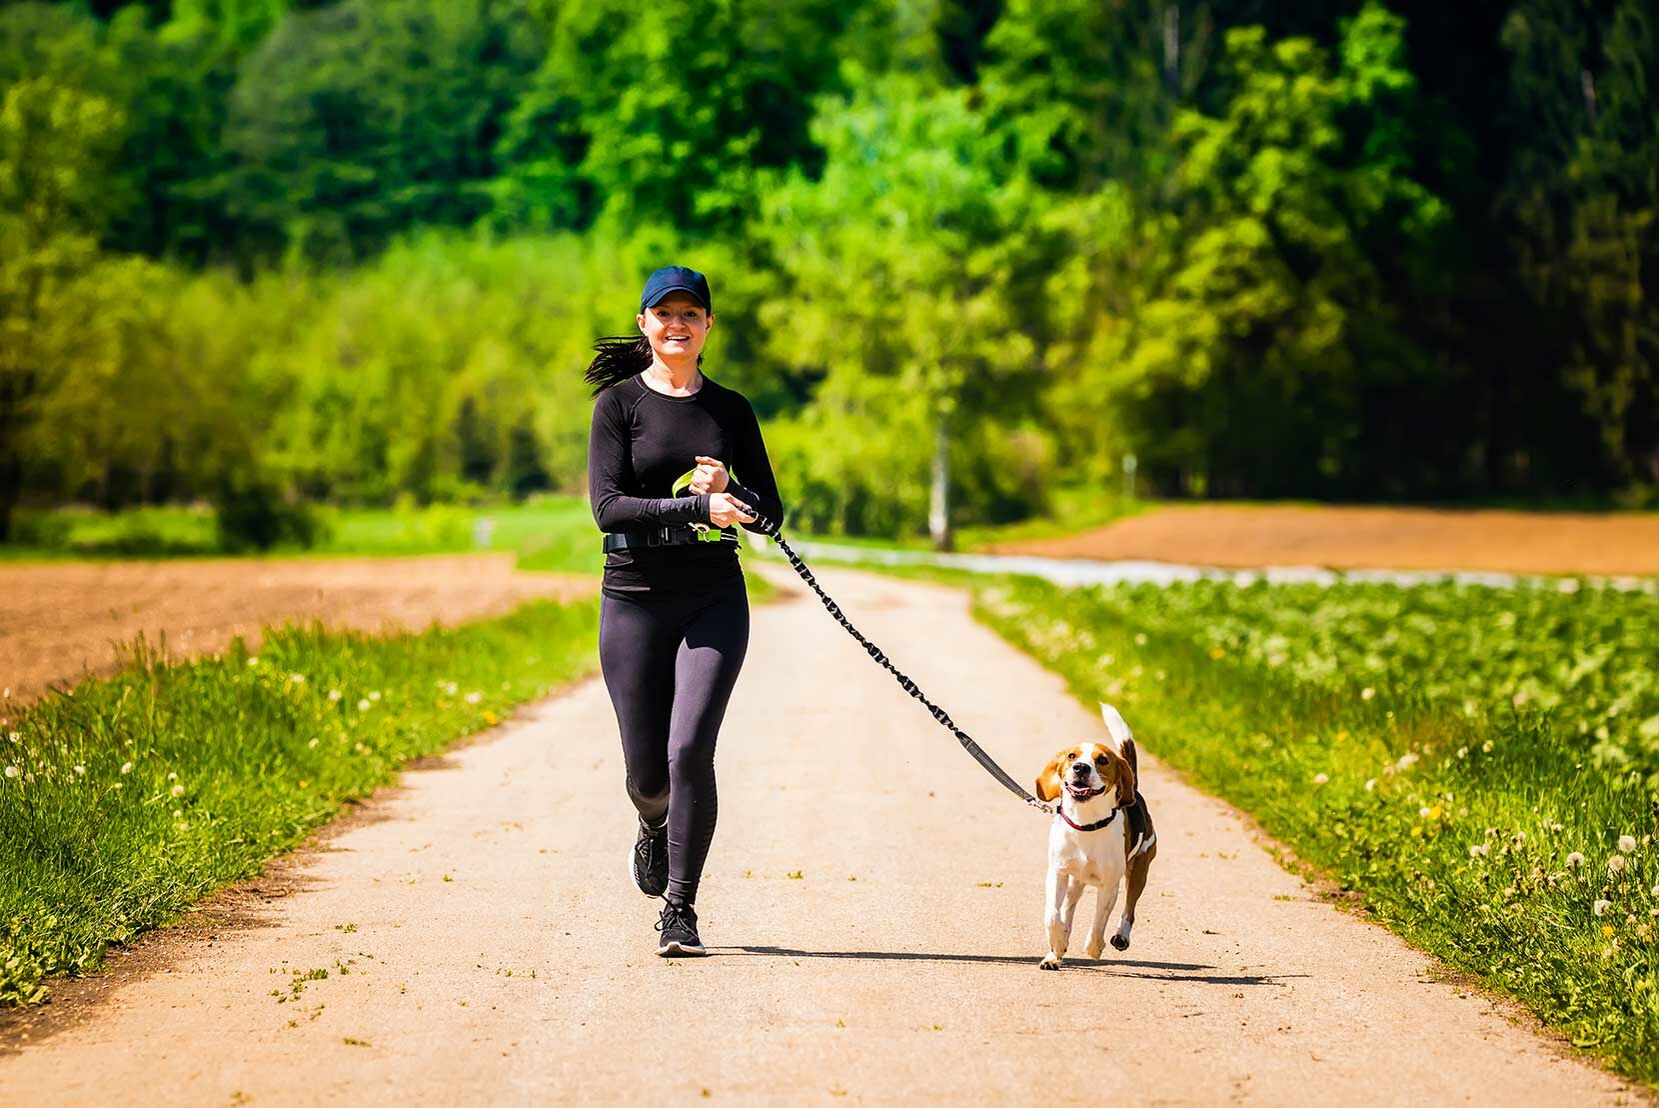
x: 1368, y: 538
x: 60, y: 622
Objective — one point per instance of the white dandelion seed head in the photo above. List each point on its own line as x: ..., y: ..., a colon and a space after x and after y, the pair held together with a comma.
x: 11, y: 772
x: 80, y: 771
x: 312, y: 744
x: 1575, y: 859
x: 178, y: 813
x: 178, y: 790
x: 1407, y: 760
x: 333, y: 695
x: 1371, y: 784
x: 363, y: 705
x: 1601, y: 906
x: 254, y: 661
x: 1321, y: 778
x: 297, y: 678
x: 1422, y: 813
x: 1627, y: 843
x: 1367, y: 693
x: 126, y: 767
x: 1479, y: 850
x: 173, y: 776
x: 474, y: 697
x: 1615, y: 864
x: 375, y: 695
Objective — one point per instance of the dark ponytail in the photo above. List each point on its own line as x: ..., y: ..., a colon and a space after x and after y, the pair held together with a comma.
x: 618, y: 358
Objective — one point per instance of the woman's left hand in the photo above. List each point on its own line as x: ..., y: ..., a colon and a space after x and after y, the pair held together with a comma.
x: 710, y: 476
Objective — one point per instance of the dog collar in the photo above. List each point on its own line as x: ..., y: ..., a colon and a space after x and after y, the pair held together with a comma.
x: 1095, y: 826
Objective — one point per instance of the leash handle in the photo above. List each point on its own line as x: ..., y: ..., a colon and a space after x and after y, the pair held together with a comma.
x: 773, y: 531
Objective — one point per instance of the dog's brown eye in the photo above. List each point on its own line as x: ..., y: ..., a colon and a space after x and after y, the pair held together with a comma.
x: 1072, y: 757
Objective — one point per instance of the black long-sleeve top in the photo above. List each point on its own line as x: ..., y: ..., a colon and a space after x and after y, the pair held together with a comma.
x: 640, y: 442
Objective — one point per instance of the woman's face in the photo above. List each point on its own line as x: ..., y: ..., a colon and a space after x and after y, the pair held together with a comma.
x: 677, y: 326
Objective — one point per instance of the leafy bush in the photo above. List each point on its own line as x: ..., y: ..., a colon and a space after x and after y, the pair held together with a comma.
x: 253, y: 513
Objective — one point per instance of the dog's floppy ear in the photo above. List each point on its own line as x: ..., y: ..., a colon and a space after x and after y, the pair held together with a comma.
x: 1125, y: 775
x: 1048, y: 781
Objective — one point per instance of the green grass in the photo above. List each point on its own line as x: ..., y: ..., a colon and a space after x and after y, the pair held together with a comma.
x: 1447, y: 762
x: 126, y: 800
x: 551, y: 533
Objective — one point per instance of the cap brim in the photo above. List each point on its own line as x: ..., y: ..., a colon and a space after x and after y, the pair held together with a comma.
x: 678, y: 288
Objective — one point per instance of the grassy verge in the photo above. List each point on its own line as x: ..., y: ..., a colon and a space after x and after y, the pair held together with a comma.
x: 130, y: 798
x: 1486, y: 795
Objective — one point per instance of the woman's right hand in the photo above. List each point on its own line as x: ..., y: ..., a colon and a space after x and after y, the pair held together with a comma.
x: 725, y: 510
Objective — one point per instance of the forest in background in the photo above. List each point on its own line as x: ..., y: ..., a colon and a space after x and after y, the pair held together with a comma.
x: 359, y: 251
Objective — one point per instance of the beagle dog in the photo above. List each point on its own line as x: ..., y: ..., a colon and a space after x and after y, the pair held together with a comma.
x: 1092, y: 841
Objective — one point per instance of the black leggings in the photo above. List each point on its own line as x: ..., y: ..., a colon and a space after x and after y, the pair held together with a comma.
x: 670, y: 663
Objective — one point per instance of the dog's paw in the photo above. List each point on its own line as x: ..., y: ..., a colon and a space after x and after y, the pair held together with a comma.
x: 1051, y: 962
x: 1095, y: 950
x: 1121, y: 942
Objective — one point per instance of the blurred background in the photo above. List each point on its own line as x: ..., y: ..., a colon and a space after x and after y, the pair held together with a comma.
x: 270, y: 267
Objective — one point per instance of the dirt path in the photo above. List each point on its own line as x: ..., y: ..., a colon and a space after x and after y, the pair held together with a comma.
x: 60, y: 621
x: 872, y: 903
x: 1368, y: 538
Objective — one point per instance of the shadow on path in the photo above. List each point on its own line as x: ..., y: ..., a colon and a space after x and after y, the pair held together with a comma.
x: 1118, y: 967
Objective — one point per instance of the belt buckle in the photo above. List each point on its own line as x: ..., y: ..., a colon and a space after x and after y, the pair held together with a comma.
x: 660, y: 537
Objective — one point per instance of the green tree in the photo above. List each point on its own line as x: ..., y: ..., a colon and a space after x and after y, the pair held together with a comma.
x: 55, y: 146
x: 352, y: 123
x: 898, y: 266
x: 1260, y: 333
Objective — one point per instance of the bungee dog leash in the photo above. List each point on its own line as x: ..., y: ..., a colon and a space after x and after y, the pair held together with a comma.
x: 772, y: 530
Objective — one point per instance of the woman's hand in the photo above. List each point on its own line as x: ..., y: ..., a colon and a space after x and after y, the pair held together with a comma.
x: 726, y: 510
x: 710, y: 475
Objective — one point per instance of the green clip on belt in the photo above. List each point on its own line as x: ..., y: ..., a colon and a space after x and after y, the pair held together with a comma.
x: 706, y: 532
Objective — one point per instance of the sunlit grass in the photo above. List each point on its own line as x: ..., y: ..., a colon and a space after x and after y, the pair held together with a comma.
x: 128, y: 799
x: 1482, y: 829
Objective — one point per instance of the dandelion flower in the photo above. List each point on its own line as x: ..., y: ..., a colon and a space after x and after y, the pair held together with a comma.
x: 1627, y: 843
x: 126, y: 767
x: 254, y: 661
x: 11, y: 772
x: 1321, y: 778
x: 1615, y: 864
x: 1574, y: 860
x: 1486, y: 747
x: 1601, y: 906
x: 1607, y: 931
x: 178, y: 790
x: 1462, y: 752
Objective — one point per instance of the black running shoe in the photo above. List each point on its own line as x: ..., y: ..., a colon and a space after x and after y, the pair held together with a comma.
x: 650, y: 859
x: 678, y: 925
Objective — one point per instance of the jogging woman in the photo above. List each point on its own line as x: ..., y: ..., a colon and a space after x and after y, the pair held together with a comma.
x: 674, y: 609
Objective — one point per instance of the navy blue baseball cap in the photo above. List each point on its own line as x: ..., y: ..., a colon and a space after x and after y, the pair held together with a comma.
x: 675, y: 278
